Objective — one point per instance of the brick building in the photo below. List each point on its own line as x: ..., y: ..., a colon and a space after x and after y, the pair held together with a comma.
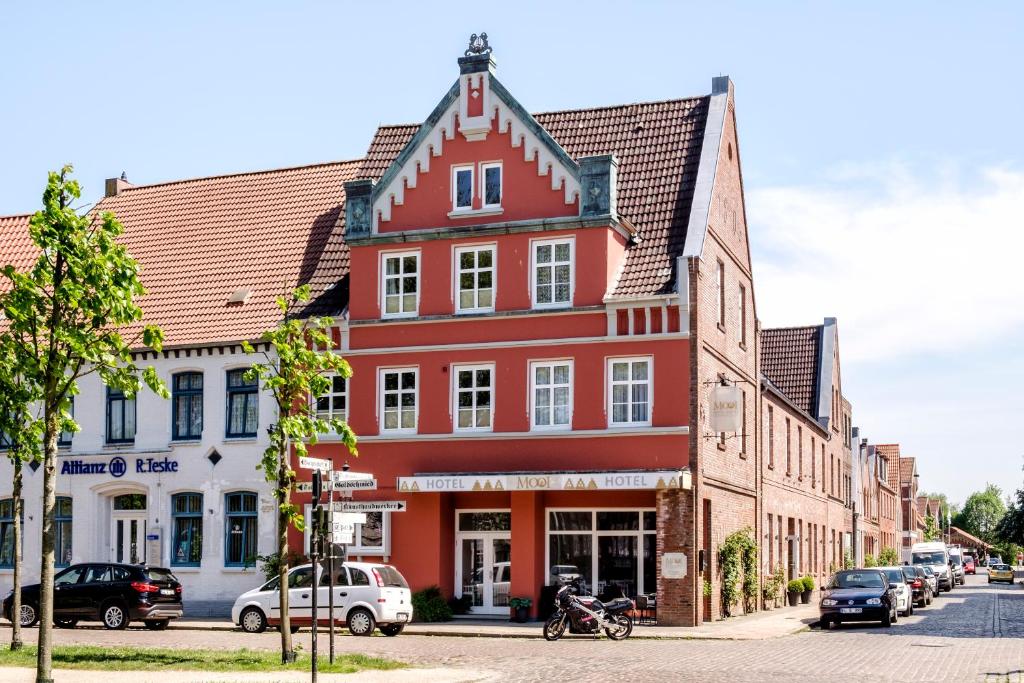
x: 912, y: 522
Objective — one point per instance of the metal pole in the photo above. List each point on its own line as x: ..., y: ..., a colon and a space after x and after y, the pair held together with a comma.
x: 313, y: 556
x: 330, y: 570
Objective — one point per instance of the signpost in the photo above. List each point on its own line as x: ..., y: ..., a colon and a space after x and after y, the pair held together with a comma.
x: 369, y: 506
x: 321, y: 464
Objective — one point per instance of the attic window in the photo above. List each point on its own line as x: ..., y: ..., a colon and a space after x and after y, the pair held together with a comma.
x: 462, y: 188
x: 239, y: 296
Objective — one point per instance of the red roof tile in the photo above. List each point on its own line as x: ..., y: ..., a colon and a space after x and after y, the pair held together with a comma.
x: 16, y: 246
x: 789, y: 359
x: 658, y: 147
x: 891, y: 451
x: 906, y: 470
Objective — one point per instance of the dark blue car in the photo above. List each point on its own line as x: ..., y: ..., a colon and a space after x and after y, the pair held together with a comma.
x: 858, y: 595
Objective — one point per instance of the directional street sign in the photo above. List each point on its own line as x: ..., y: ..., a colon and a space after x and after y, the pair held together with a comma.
x: 341, y: 475
x: 338, y: 519
x: 321, y: 464
x: 361, y: 484
x: 369, y: 506
x: 307, y: 486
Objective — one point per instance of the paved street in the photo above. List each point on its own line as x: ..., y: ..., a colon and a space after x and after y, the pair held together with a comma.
x: 975, y: 633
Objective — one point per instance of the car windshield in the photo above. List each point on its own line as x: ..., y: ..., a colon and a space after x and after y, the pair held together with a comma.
x: 391, y: 577
x: 929, y: 557
x: 872, y: 579
x: 894, y: 575
x: 909, y: 572
x: 928, y: 571
x: 1001, y: 567
x: 955, y: 560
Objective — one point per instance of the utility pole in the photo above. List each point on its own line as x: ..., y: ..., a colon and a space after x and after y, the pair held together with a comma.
x: 314, y: 546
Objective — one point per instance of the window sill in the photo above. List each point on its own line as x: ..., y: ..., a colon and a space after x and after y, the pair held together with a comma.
x: 551, y: 307
x: 472, y: 213
x: 239, y: 570
x: 721, y: 327
x: 178, y: 569
x: 399, y: 316
x: 119, y: 445
x: 186, y: 442
x: 743, y: 345
x: 241, y: 439
x: 721, y: 446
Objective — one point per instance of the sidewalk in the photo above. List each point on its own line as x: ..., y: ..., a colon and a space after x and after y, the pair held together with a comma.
x: 412, y: 675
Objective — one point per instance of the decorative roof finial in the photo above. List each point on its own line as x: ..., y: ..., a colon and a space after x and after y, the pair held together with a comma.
x: 478, y: 45
x: 124, y: 176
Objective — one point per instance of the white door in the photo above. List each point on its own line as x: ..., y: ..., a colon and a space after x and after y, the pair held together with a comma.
x: 483, y: 571
x: 129, y: 537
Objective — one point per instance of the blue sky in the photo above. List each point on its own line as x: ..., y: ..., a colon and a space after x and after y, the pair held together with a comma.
x: 880, y: 142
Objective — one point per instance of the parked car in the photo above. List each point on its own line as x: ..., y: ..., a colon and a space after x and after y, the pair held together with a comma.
x: 921, y: 590
x: 995, y: 559
x: 858, y: 595
x: 904, y: 594
x: 367, y: 596
x: 933, y: 580
x: 1000, y: 572
x: 116, y: 594
x: 956, y: 564
x: 969, y: 567
x: 934, y: 555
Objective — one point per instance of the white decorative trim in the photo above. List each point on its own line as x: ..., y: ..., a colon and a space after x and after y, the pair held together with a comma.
x: 567, y: 341
x: 707, y: 169
x: 678, y: 430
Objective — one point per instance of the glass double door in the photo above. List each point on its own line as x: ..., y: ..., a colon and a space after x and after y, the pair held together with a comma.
x: 483, y: 571
x: 129, y: 538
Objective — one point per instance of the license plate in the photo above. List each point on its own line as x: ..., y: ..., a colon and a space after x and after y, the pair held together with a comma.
x: 850, y: 610
x: 166, y: 591
x: 403, y: 616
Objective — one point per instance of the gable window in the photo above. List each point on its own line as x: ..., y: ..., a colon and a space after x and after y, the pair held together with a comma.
x: 400, y: 281
x: 243, y: 404
x: 473, y: 391
x: 491, y: 181
x: 720, y: 295
x: 551, y: 395
x: 120, y: 417
x: 334, y: 404
x: 462, y: 188
x: 187, y: 525
x: 552, y: 273
x: 187, y: 405
x: 64, y: 440
x: 475, y: 279
x: 240, y: 529
x: 630, y: 391
x: 398, y: 400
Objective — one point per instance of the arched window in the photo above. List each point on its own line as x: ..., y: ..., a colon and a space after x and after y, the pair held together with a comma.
x: 240, y: 535
x: 187, y: 518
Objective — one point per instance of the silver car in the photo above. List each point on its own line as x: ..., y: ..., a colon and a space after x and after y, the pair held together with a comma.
x: 933, y: 580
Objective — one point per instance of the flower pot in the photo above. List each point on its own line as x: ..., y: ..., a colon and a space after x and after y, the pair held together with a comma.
x: 805, y: 597
x: 793, y: 597
x: 521, y: 615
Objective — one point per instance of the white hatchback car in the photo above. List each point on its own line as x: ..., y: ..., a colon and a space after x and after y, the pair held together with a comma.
x: 366, y: 596
x: 904, y: 594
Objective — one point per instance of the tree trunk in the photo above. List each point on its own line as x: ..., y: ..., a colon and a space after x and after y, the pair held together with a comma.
x: 19, y: 505
x: 44, y: 659
x: 284, y: 485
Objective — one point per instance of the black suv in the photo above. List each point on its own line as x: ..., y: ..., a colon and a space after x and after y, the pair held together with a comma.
x: 115, y: 594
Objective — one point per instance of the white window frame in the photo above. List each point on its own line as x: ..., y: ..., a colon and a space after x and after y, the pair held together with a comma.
x: 483, y: 184
x: 455, y: 370
x: 455, y: 186
x: 532, y: 383
x: 553, y: 243
x: 476, y: 270
x: 610, y: 384
x: 357, y: 548
x: 381, y: 373
x: 384, y: 277
x: 329, y: 395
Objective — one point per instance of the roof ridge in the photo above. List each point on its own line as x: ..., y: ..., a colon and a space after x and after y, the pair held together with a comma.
x: 621, y: 106
x: 17, y: 215
x: 238, y: 174
x: 791, y: 327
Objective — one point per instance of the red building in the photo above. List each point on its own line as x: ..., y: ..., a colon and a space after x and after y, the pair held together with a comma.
x: 532, y: 306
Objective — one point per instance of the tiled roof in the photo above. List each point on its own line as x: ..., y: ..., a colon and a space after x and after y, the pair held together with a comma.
x: 891, y: 451
x: 16, y: 247
x: 265, y: 231
x: 906, y: 470
x: 657, y: 145
x: 789, y: 359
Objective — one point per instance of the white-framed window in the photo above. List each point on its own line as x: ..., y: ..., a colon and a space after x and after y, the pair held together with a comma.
x: 473, y: 398
x: 399, y: 404
x: 490, y: 185
x: 629, y: 391
x: 551, y: 394
x: 552, y: 273
x: 462, y: 188
x: 400, y: 283
x: 334, y: 403
x: 474, y: 279
x: 371, y: 538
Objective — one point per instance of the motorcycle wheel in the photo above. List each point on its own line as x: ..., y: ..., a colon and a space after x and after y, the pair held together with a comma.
x: 554, y: 628
x: 623, y: 627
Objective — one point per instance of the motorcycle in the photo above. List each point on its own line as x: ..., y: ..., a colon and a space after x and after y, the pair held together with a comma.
x: 588, y: 615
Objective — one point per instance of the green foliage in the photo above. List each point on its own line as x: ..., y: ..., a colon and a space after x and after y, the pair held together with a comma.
x: 808, y: 583
x: 888, y: 557
x: 944, y: 504
x: 1010, y: 528
x: 774, y: 583
x: 270, y: 564
x: 460, y: 605
x: 847, y: 560
x: 795, y: 586
x: 707, y: 588
x: 516, y: 603
x: 931, y: 529
x: 739, y: 564
x: 982, y: 513
x: 870, y: 561
x: 428, y: 605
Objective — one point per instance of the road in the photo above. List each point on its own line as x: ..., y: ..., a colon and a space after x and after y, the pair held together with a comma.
x: 975, y: 633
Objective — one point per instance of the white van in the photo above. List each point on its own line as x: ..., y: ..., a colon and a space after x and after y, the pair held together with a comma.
x: 957, y: 558
x: 936, y: 556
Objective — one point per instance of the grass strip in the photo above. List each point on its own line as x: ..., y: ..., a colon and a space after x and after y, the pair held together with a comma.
x: 151, y: 659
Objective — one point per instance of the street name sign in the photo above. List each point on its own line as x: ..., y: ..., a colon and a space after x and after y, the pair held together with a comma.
x: 370, y: 506
x: 307, y: 486
x: 321, y: 464
x: 363, y: 481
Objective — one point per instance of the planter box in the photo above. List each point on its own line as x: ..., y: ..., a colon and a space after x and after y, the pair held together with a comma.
x: 805, y: 597
x: 793, y: 597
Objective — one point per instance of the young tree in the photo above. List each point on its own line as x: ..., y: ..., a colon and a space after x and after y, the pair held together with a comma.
x: 888, y: 557
x: 931, y: 529
x: 63, y: 318
x: 982, y: 513
x: 296, y: 371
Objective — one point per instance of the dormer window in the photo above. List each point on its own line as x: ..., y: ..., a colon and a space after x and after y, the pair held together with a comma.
x: 491, y: 181
x: 462, y: 188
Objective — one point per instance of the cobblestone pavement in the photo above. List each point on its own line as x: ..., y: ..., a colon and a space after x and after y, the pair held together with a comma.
x: 975, y: 633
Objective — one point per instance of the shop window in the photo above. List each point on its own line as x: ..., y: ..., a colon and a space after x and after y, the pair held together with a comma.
x: 629, y: 392
x: 552, y: 273
x: 491, y: 185
x: 187, y: 526
x: 64, y: 440
x: 240, y: 543
x: 400, y: 281
x: 551, y: 395
x: 475, y: 278
x: 370, y: 538
x: 187, y: 405
x: 473, y: 392
x: 398, y: 400
x: 62, y: 527
x: 243, y: 404
x: 7, y: 531
x: 462, y: 188
x: 120, y: 417
x: 334, y: 404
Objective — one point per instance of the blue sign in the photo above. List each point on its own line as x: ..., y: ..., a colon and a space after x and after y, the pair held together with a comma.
x: 118, y: 467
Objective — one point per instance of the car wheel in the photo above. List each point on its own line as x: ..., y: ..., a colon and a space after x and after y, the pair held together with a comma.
x: 392, y: 630
x: 910, y: 608
x: 65, y: 623
x: 115, y: 616
x: 295, y: 629
x: 889, y: 619
x: 361, y: 622
x: 252, y: 620
x: 826, y: 624
x: 157, y: 624
x: 29, y: 614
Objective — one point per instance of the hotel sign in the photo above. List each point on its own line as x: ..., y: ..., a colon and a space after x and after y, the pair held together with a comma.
x: 546, y: 481
x: 726, y: 414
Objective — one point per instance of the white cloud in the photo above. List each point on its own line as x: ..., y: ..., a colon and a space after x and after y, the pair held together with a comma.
x: 909, y: 262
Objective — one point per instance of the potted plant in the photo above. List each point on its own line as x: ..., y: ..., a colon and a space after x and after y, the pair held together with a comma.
x: 805, y: 595
x: 793, y: 590
x: 520, y: 609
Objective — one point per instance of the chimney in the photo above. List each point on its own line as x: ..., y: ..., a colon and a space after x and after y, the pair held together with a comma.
x: 115, y: 185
